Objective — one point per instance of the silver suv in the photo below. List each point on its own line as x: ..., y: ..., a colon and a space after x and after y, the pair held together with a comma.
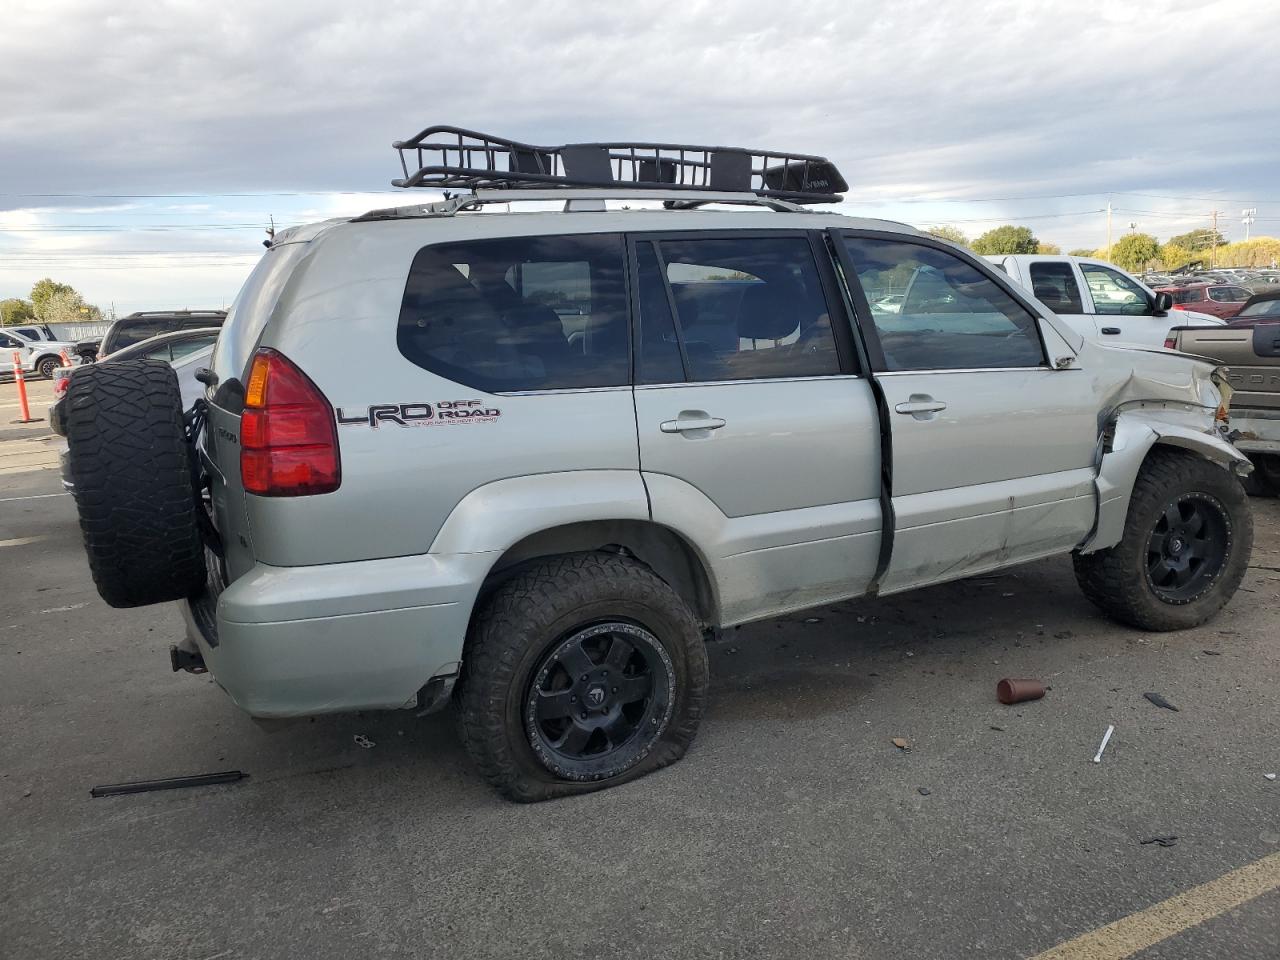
x: 577, y: 441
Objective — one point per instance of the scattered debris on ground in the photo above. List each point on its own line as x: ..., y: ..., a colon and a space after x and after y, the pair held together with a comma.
x: 362, y: 741
x: 923, y: 791
x: 1010, y: 691
x: 171, y: 783
x: 1160, y: 701
x: 1164, y: 841
x: 1106, y: 737
x: 902, y: 743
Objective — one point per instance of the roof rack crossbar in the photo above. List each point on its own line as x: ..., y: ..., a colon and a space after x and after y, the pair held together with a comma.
x: 451, y: 158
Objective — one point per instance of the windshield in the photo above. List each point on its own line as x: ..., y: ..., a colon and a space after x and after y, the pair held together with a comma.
x: 1263, y: 308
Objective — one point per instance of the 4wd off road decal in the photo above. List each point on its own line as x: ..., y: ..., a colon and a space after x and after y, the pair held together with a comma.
x: 441, y: 413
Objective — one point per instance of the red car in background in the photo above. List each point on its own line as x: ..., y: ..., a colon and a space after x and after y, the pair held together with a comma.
x: 1222, y: 300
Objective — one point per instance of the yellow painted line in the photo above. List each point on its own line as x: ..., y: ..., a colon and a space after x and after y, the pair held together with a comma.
x: 1144, y: 929
x: 19, y: 541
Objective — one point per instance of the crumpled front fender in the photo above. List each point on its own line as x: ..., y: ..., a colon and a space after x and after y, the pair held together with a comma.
x: 1134, y: 433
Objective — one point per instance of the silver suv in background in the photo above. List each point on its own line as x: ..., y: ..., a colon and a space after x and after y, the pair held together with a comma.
x: 577, y: 441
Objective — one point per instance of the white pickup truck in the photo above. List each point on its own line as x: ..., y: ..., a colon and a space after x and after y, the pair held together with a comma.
x: 1097, y: 299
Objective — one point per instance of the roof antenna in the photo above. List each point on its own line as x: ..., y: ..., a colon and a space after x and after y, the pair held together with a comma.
x: 271, y: 232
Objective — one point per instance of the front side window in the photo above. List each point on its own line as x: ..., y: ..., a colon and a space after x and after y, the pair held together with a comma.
x: 1054, y: 284
x: 951, y: 316
x: 748, y: 308
x: 10, y: 343
x: 520, y: 313
x: 1114, y: 293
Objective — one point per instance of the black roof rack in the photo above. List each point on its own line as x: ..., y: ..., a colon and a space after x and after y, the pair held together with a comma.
x: 449, y: 158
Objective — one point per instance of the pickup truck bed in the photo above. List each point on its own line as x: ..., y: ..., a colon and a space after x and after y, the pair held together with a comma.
x: 1252, y: 355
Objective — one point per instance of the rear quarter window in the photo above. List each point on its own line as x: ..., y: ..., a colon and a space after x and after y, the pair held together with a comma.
x: 520, y: 313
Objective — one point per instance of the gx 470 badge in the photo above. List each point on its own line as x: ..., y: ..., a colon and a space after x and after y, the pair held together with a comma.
x: 422, y: 414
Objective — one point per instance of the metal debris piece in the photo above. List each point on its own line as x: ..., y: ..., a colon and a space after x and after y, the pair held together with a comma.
x: 923, y: 791
x: 1161, y: 702
x: 1165, y: 841
x: 1212, y: 653
x: 172, y: 783
x: 1269, y: 776
x: 1097, y: 758
x: 363, y: 741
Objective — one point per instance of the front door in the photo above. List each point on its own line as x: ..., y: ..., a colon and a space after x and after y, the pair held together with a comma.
x: 1123, y: 310
x: 992, y: 449
x: 759, y: 439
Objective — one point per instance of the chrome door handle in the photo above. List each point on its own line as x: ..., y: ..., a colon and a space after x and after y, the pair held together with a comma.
x: 921, y: 405
x: 684, y: 426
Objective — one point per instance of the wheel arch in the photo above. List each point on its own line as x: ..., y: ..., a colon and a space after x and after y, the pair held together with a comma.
x: 1124, y: 450
x: 670, y: 556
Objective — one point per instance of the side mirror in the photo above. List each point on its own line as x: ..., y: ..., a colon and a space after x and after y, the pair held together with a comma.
x: 1162, y: 304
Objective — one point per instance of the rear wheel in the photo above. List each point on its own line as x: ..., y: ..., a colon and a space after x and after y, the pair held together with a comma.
x: 582, y: 672
x: 130, y: 464
x: 1185, y: 549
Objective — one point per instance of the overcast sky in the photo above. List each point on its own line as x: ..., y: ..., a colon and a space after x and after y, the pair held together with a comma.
x: 143, y: 146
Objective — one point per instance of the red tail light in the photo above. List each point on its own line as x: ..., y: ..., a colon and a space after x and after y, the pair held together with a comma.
x: 288, y: 436
x: 1179, y: 306
x: 1171, y: 342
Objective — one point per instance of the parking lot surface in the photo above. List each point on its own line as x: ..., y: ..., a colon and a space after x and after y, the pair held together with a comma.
x: 793, y: 828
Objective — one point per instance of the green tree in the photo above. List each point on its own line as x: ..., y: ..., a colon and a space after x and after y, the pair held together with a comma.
x: 1197, y: 240
x: 43, y: 291
x: 1134, y: 251
x: 954, y: 234
x: 1048, y: 249
x: 1081, y: 252
x: 1006, y: 239
x: 67, y: 306
x: 1173, y: 256
x: 15, y: 311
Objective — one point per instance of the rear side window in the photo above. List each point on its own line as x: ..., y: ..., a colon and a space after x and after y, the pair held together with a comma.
x: 951, y: 316
x: 522, y: 313
x: 748, y: 308
x: 1229, y: 294
x: 1054, y: 285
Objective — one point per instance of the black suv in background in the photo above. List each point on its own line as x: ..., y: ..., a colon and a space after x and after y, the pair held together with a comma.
x: 137, y: 327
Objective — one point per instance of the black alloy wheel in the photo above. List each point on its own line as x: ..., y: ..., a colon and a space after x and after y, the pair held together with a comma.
x: 1188, y: 547
x: 599, y: 699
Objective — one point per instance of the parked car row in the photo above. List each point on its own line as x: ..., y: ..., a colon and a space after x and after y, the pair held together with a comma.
x: 38, y: 356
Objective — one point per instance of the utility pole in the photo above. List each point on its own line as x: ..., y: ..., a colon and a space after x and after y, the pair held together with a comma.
x: 1213, y: 250
x: 1108, y: 228
x: 1246, y: 217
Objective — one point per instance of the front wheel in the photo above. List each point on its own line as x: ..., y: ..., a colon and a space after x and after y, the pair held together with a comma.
x: 581, y: 672
x: 47, y: 365
x: 1185, y: 549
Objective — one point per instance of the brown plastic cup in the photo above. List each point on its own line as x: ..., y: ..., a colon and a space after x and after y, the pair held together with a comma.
x: 1016, y: 691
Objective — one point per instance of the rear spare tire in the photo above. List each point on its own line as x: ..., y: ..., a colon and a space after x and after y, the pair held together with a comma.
x: 130, y: 464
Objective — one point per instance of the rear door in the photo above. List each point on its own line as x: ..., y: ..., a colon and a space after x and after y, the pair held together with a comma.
x: 992, y: 448
x: 1057, y: 284
x: 759, y: 436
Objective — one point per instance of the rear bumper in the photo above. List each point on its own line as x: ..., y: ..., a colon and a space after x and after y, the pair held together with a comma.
x: 1256, y: 431
x: 294, y: 641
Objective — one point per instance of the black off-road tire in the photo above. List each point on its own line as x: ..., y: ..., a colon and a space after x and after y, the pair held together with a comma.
x: 1265, y: 479
x: 1117, y: 579
x: 47, y: 365
x: 131, y: 469
x: 524, y: 619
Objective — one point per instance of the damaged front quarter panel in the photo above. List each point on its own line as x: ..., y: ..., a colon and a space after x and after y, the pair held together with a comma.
x: 1151, y: 397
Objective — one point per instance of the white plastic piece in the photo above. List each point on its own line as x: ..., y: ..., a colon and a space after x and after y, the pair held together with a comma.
x: 1105, y: 738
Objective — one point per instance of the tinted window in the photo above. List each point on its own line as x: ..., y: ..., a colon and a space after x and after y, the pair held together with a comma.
x: 31, y: 333
x: 128, y: 332
x: 659, y: 359
x: 951, y: 316
x: 748, y: 308
x: 1182, y: 295
x: 1228, y: 294
x: 1054, y: 285
x: 1113, y: 292
x: 529, y: 313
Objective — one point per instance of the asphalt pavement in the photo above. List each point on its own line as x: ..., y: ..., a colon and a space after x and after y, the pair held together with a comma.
x: 793, y: 828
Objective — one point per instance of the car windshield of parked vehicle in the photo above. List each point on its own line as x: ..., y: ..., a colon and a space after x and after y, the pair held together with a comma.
x: 1113, y: 292
x: 952, y: 316
x: 1263, y: 308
